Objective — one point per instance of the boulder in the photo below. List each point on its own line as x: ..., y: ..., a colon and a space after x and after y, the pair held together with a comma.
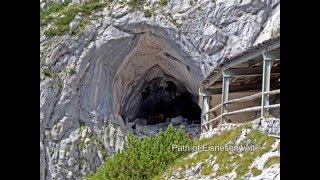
x: 176, y: 120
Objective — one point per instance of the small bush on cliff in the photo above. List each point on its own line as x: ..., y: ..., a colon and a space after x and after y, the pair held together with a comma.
x: 143, y: 159
x: 136, y: 4
x: 66, y: 14
x: 147, y: 13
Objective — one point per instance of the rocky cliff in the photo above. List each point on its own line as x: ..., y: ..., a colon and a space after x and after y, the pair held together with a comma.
x: 97, y: 56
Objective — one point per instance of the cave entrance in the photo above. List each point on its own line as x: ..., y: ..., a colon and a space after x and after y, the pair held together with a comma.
x: 163, y: 98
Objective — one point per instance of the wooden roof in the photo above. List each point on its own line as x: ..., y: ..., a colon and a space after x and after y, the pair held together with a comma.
x: 250, y: 58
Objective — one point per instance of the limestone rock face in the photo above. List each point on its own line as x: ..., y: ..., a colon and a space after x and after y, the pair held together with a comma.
x: 88, y: 79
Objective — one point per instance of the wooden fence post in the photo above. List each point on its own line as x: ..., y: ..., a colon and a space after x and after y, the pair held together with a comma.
x: 224, y: 96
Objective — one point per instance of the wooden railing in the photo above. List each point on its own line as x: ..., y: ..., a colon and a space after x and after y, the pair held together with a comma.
x: 212, y: 121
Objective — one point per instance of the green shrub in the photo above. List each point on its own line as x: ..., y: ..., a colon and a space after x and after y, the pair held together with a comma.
x: 72, y: 71
x: 170, y: 18
x: 147, y: 13
x: 144, y: 158
x: 163, y: 3
x: 136, y: 4
x: 271, y: 161
x: 191, y: 3
x: 255, y: 171
x: 49, y: 9
x: 47, y: 72
x: 66, y: 15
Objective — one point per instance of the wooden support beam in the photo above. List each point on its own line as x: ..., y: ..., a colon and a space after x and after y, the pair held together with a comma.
x: 205, y: 108
x: 212, y: 120
x: 213, y: 91
x: 273, y: 106
x: 257, y: 108
x: 213, y: 109
x: 255, y: 61
x: 257, y: 71
x: 244, y: 71
x: 271, y: 55
x: 250, y: 97
x: 225, y: 96
x: 277, y: 91
x: 267, y: 64
x: 246, y: 98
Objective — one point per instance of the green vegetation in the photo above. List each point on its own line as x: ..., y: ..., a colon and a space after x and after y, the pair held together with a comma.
x: 136, y: 4
x: 82, y: 144
x: 271, y: 161
x: 170, y: 18
x: 191, y: 3
x: 163, y: 3
x: 47, y: 72
x: 147, y: 13
x: 227, y: 160
x: 255, y: 171
x: 263, y: 144
x: 108, y: 134
x: 72, y: 71
x: 143, y: 158
x: 61, y: 15
x: 68, y: 148
x: 152, y: 157
x: 268, y: 116
x: 207, y: 169
x: 81, y: 26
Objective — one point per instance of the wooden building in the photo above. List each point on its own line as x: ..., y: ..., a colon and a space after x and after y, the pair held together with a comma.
x: 242, y: 87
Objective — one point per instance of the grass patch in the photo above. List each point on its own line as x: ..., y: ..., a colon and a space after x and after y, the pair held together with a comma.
x: 82, y: 145
x: 271, y: 161
x: 206, y: 169
x: 163, y: 3
x: 72, y: 71
x: 68, y: 148
x: 227, y: 160
x: 49, y: 9
x: 81, y: 26
x: 268, y: 116
x: 147, y: 13
x: 47, y: 72
x: 136, y: 4
x: 255, y: 171
x: 223, y: 157
x: 169, y: 17
x: 247, y: 125
x: 263, y: 144
x: 64, y: 16
x: 108, y: 135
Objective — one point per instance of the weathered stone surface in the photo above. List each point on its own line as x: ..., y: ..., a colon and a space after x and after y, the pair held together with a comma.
x: 116, y: 55
x: 177, y: 120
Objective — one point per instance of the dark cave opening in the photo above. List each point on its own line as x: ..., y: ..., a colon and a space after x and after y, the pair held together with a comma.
x: 163, y: 99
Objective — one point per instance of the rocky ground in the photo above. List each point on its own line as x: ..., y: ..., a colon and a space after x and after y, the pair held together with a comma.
x: 140, y: 128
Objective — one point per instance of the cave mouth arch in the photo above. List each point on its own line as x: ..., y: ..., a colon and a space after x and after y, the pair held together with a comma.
x: 163, y: 98
x: 156, y: 81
